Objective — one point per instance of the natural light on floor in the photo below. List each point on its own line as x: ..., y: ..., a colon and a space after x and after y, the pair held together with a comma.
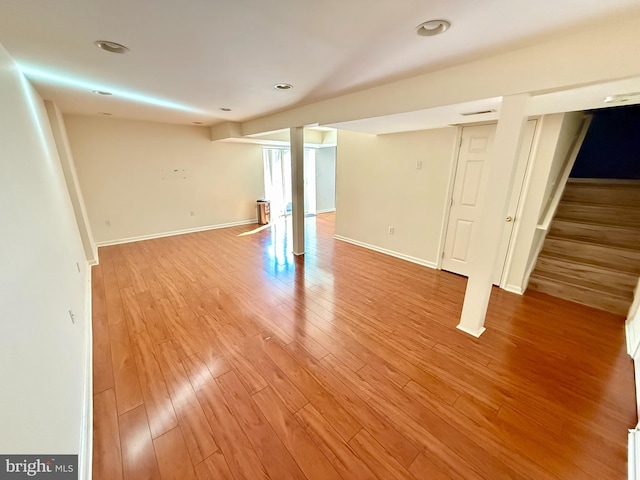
x: 256, y: 230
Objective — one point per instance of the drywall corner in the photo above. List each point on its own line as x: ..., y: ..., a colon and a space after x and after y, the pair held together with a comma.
x: 225, y: 131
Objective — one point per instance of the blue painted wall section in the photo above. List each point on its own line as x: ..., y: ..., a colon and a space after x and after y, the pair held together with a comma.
x: 611, y: 148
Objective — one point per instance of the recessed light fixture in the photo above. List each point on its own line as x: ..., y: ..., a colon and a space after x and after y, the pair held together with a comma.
x: 106, y: 114
x: 283, y: 86
x: 197, y: 123
x: 102, y: 92
x: 432, y: 27
x: 111, y: 47
x: 622, y: 98
x: 225, y: 109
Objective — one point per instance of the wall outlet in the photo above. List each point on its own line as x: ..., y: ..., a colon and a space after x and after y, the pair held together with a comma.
x: 107, y: 223
x: 419, y: 165
x: 192, y: 213
x: 392, y: 230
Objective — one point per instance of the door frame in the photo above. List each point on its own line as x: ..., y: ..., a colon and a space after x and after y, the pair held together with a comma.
x: 449, y: 194
x: 520, y: 205
x: 517, y: 205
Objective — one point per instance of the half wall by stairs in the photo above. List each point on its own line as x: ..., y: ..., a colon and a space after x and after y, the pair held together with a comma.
x: 591, y: 254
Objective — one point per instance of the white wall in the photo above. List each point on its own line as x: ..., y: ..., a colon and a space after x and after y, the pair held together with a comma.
x: 325, y: 179
x: 146, y: 178
x: 43, y: 355
x: 379, y: 186
x: 569, y: 128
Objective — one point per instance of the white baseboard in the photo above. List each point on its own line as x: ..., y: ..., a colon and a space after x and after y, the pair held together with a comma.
x: 399, y: 255
x: 513, y: 289
x: 327, y: 210
x: 175, y: 232
x: 85, y: 455
x: 632, y: 455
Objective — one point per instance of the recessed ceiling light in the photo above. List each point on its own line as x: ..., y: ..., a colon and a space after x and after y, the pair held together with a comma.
x: 225, y: 109
x: 283, y: 86
x: 111, y: 47
x: 102, y: 92
x: 432, y: 27
x: 197, y: 123
x: 105, y: 113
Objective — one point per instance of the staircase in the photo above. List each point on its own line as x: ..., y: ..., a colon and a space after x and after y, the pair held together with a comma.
x: 591, y: 254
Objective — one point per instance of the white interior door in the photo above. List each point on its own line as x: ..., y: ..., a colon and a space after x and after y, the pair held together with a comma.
x: 474, y: 157
x: 514, y: 200
x: 469, y: 188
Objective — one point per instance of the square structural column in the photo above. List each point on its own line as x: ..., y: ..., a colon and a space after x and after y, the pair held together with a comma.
x: 484, y: 250
x: 297, y: 188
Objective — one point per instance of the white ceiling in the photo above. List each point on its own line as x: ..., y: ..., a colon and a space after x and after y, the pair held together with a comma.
x: 195, y: 56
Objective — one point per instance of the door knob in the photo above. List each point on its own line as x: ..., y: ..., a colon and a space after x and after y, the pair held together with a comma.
x: 509, y: 219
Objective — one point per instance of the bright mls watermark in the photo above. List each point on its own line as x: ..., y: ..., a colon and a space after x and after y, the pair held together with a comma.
x: 49, y: 467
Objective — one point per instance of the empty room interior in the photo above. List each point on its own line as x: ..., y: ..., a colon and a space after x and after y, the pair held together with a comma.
x: 320, y: 240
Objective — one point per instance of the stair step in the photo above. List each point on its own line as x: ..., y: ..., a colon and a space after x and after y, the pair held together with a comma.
x: 625, y: 194
x: 599, y: 214
x: 592, y: 252
x: 621, y: 259
x: 580, y: 294
x: 593, y: 276
x: 622, y: 237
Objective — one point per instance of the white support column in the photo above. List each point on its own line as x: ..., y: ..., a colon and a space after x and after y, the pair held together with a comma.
x: 297, y: 188
x: 484, y: 250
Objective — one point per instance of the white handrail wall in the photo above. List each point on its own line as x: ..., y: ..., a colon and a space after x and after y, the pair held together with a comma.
x: 568, y: 166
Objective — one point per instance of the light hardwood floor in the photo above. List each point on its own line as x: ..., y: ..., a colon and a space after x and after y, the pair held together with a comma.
x: 219, y: 356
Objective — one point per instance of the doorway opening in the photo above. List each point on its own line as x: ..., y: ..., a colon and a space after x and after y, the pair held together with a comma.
x: 277, y: 180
